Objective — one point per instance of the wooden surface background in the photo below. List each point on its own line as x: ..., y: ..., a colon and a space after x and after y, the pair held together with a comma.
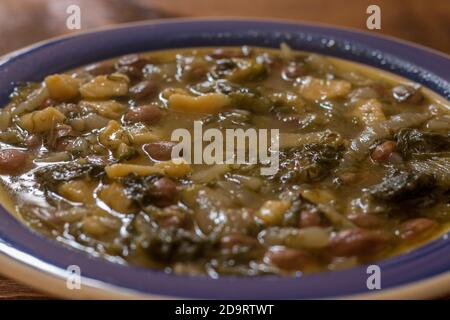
x: 26, y: 21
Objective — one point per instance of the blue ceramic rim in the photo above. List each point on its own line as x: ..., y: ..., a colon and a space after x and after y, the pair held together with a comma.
x: 415, y: 63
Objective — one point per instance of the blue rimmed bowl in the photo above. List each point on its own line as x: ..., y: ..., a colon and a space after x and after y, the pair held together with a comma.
x: 42, y: 263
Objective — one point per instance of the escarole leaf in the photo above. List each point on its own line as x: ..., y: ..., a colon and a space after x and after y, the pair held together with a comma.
x: 360, y: 146
x: 439, y: 167
x: 413, y: 141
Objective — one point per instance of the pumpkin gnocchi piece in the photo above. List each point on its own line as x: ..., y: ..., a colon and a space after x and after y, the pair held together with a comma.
x: 77, y: 191
x: 175, y: 168
x: 110, y: 109
x: 124, y: 169
x: 142, y: 135
x: 113, y: 135
x: 42, y: 120
x: 5, y: 119
x: 272, y: 211
x: 62, y: 87
x: 170, y: 168
x: 114, y: 196
x: 105, y: 87
x: 209, y: 103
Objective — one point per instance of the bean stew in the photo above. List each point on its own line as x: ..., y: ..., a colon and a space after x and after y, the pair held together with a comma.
x: 363, y: 173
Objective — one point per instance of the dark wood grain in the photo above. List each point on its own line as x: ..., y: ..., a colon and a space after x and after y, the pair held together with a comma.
x: 10, y: 289
x: 27, y: 21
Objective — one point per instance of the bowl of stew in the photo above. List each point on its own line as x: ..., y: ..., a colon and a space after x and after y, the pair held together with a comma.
x: 91, y: 187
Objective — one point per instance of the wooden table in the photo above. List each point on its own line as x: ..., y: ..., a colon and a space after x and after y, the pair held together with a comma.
x: 23, y: 22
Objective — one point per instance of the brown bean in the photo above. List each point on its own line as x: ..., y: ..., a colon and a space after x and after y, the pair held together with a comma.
x: 383, y: 151
x: 165, y: 192
x: 366, y: 220
x: 175, y: 221
x: 289, y: 259
x: 58, y: 138
x: 13, y: 161
x: 33, y: 141
x: 348, y: 178
x: 98, y: 69
x: 147, y: 114
x: 160, y: 151
x: 355, y: 242
x: 132, y: 65
x: 407, y: 94
x: 146, y: 89
x: 309, y: 218
x: 379, y: 88
x: 232, y: 241
x: 416, y: 228
x: 195, y: 73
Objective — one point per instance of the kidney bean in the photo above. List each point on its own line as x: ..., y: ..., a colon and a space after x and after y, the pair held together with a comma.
x: 416, y: 228
x: 366, y: 220
x: 355, y: 242
x: 56, y: 140
x: 33, y: 141
x: 289, y: 259
x: 309, y: 218
x: 164, y: 192
x: 147, y: 114
x: 379, y: 88
x: 348, y: 178
x: 407, y: 94
x: 146, y: 89
x: 132, y: 65
x: 232, y: 241
x: 196, y: 73
x: 99, y: 69
x: 160, y: 151
x: 383, y: 151
x: 13, y: 161
x: 176, y: 221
